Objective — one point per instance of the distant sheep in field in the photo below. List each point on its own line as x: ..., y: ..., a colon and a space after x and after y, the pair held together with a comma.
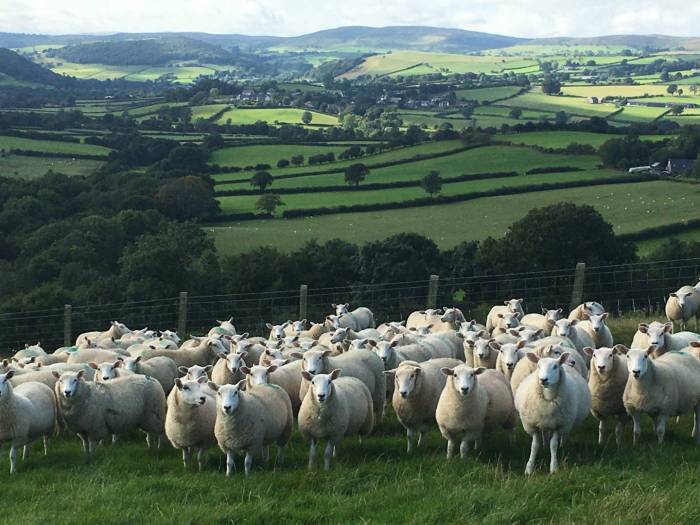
x: 683, y: 305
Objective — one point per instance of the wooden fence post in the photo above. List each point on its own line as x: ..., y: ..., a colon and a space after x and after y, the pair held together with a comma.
x: 182, y: 316
x: 303, y: 301
x: 579, y: 281
x: 433, y: 291
x: 67, y: 325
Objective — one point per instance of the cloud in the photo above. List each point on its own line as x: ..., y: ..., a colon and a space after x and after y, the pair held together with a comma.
x: 529, y: 18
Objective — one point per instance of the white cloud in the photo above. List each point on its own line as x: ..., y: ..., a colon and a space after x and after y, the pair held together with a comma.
x: 533, y: 18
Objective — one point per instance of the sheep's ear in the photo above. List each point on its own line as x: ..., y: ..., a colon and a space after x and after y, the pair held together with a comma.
x: 296, y: 355
x: 479, y: 371
x: 241, y: 385
x: 390, y: 372
x: 152, y: 347
x: 178, y: 383
x: 495, y: 346
x: 674, y: 294
x: 584, y: 316
x: 506, y: 302
x: 202, y: 379
x: 93, y: 366
x: 651, y: 350
x: 520, y: 344
x: 621, y: 349
x: 532, y: 357
x: 271, y: 368
x: 642, y: 328
x: 245, y: 370
x: 213, y: 385
x: 56, y: 374
x: 335, y: 374
x: 242, y: 353
x: 306, y: 375
x: 588, y: 351
x: 9, y: 374
x: 604, y: 316
x: 447, y: 371
x: 118, y: 363
x: 695, y: 344
x: 563, y: 358
x: 80, y: 374
x: 460, y: 335
x: 500, y: 316
x: 559, y: 311
x: 481, y: 333
x: 137, y: 359
x: 394, y: 344
x: 326, y: 353
x: 220, y: 355
x: 269, y: 326
x: 668, y: 327
x: 514, y: 333
x: 544, y: 311
x: 182, y: 369
x: 208, y: 368
x: 5, y: 363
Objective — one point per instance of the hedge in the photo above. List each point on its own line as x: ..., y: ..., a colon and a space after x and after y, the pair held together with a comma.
x: 56, y: 155
x: 552, y: 169
x: 40, y: 136
x: 658, y: 231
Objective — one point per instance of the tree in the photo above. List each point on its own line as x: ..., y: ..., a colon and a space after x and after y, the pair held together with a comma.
x: 671, y: 89
x: 516, y: 113
x: 694, y: 89
x: 408, y: 256
x: 677, y: 110
x: 307, y: 117
x: 680, y: 92
x: 213, y: 141
x: 262, y: 179
x: 269, y: 203
x: 187, y: 198
x: 624, y: 153
x: 282, y: 163
x: 356, y: 173
x: 298, y: 160
x: 431, y: 183
x: 551, y: 86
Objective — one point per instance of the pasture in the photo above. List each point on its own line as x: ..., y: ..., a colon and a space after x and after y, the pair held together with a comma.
x: 251, y: 155
x: 561, y: 139
x: 50, y: 146
x: 274, y: 116
x: 489, y: 94
x: 537, y: 100
x: 22, y: 167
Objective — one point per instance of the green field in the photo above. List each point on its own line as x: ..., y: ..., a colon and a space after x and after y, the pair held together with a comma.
x: 572, y: 105
x: 647, y: 246
x: 206, y: 112
x: 50, y: 146
x: 639, y: 114
x: 561, y: 139
x: 23, y: 167
x: 629, y: 207
x: 250, y: 155
x: 482, y: 95
x: 274, y: 115
x: 614, y: 90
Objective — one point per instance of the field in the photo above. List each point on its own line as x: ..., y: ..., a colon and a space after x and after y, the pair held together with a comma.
x: 251, y: 155
x: 371, y: 483
x: 23, y: 167
x: 50, y: 146
x: 490, y: 94
x: 275, y: 115
x: 572, y: 105
x: 629, y: 207
x: 601, y: 91
x: 562, y: 139
x: 649, y: 245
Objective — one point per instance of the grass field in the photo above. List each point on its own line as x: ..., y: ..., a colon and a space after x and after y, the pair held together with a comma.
x: 614, y: 90
x: 649, y: 245
x: 23, y: 167
x: 273, y: 115
x: 250, y: 155
x: 629, y: 207
x: 207, y: 112
x: 50, y: 146
x: 639, y: 114
x: 371, y: 483
x: 482, y: 95
x: 572, y: 105
x: 561, y: 139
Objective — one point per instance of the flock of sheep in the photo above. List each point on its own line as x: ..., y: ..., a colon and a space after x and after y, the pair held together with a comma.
x: 548, y: 371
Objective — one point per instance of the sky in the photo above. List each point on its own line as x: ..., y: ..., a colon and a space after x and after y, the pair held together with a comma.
x: 525, y: 18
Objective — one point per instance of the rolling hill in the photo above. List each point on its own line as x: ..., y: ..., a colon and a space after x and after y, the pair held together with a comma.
x: 16, y: 67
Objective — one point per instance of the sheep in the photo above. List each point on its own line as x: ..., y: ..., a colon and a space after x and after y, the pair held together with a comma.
x: 27, y: 413
x: 473, y: 400
x: 106, y: 371
x: 253, y: 349
x: 224, y: 328
x: 452, y: 319
x: 544, y: 321
x: 551, y: 402
x: 227, y: 370
x: 115, y: 331
x: 417, y: 388
x: 204, y: 353
x: 391, y: 329
x: 606, y: 383
x: 285, y: 375
x: 162, y: 369
x: 590, y: 307
x: 95, y: 411
x: 512, y: 306
x: 594, y: 325
x: 362, y: 364
x: 190, y: 420
x: 661, y: 337
x: 342, y: 337
x: 95, y: 355
x: 359, y: 319
x: 157, y: 342
x: 471, y: 326
x: 334, y: 407
x: 525, y: 367
x: 277, y: 331
x: 683, y: 305
x: 504, y: 322
x: 30, y: 351
x: 572, y: 330
x: 392, y: 355
x: 484, y: 354
x: 135, y: 337
x: 315, y: 331
x: 248, y: 421
x: 509, y: 355
x: 426, y: 317
x: 296, y: 327
x: 666, y: 386
x: 45, y: 375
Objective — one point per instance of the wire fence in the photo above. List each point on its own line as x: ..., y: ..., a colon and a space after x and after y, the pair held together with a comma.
x: 621, y: 289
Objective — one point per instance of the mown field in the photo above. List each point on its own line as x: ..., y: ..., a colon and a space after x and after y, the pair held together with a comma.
x: 371, y: 483
x: 50, y: 146
x: 274, y: 115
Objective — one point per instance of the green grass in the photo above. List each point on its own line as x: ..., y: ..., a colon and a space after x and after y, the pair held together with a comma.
x: 487, y: 94
x: 273, y: 115
x: 429, y: 120
x: 639, y: 114
x: 537, y: 100
x: 629, y: 207
x: 250, y: 155
x: 206, y: 112
x: 561, y: 139
x: 50, y: 146
x: 614, y: 90
x: 23, y: 167
x: 649, y: 245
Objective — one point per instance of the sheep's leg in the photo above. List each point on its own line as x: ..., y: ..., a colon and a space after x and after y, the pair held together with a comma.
x: 553, y: 450
x: 248, y: 462
x: 83, y: 440
x: 619, y: 431
x: 660, y: 428
x: 477, y: 444
x: 637, y: 427
x: 512, y: 436
x: 266, y: 455
x: 186, y: 456
x: 91, y: 447
x: 279, y: 460
x: 200, y: 458
x: 696, y: 424
x: 328, y: 455
x: 46, y: 445
x: 450, y: 448
x: 114, y: 438
x: 464, y: 447
x: 421, y: 433
x: 409, y: 440
x: 534, y: 449
x: 601, y: 431
x: 312, y: 453
x: 230, y: 463
x: 13, y: 459
x: 25, y: 452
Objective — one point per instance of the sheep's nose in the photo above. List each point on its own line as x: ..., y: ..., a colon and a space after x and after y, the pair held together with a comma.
x: 510, y: 366
x: 384, y: 359
x: 636, y: 373
x: 202, y: 400
x: 321, y: 397
x: 601, y: 368
x: 465, y: 390
x: 404, y: 394
x: 227, y: 409
x: 67, y: 393
x: 544, y: 381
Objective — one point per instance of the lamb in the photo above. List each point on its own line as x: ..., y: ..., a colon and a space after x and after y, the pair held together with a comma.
x: 434, y: 317
x: 509, y: 355
x: 606, y: 383
x: 189, y: 424
x: 590, y: 307
x: 594, y: 325
x: 285, y: 375
x: 359, y: 319
x: 575, y: 333
x: 27, y: 413
x: 551, y: 402
x: 95, y: 355
x: 227, y: 370
x: 661, y: 337
x: 417, y: 388
x: 485, y: 354
x: 94, y: 411
x: 512, y: 306
x: 204, y: 353
x: 361, y: 364
x: 162, y: 369
x: 334, y: 407
x: 663, y: 387
x: 683, y: 305
x: 249, y: 421
x: 474, y: 400
x: 224, y: 328
x: 544, y: 321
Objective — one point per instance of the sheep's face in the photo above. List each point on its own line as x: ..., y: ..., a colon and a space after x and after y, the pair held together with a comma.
x: 552, y: 316
x: 463, y: 378
x: 121, y: 328
x: 358, y: 344
x: 228, y: 397
x: 549, y: 370
x: 277, y: 331
x: 682, y: 298
x: 217, y: 346
x: 510, y: 355
x: 313, y: 361
x: 234, y: 361
x: 553, y: 351
x: 5, y: 385
x: 107, y: 371
x: 482, y: 349
x: 602, y: 360
x: 510, y: 320
x: 527, y: 334
x: 298, y: 326
x: 597, y: 321
x: 69, y: 383
x: 333, y: 321
x: 638, y: 361
x: 472, y: 337
x: 196, y: 372
x: 656, y: 332
x: 468, y: 326
x: 260, y: 375
x: 322, y: 386
x: 514, y: 305
x: 279, y: 362
x: 406, y: 378
x: 591, y: 307
x: 341, y: 309
x: 452, y: 315
x: 191, y: 392
x: 131, y: 363
x: 172, y: 336
x: 385, y: 351
x: 339, y: 335
x: 227, y: 326
x: 423, y: 330
x: 563, y: 327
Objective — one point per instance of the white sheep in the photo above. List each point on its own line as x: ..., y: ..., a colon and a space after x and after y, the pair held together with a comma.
x: 606, y: 383
x: 358, y: 319
x: 27, y: 413
x: 661, y: 336
x: 512, y: 306
x: 249, y: 421
x: 203, y: 353
x: 189, y: 424
x: 551, y: 402
x: 95, y: 355
x: 504, y: 322
x: 106, y: 371
x: 30, y: 351
x: 544, y: 321
x: 473, y: 401
x: 683, y: 305
x: 277, y: 331
x: 471, y: 326
x: 594, y: 325
x: 95, y: 411
x: 334, y: 407
x: 508, y: 356
x: 224, y: 328
x: 392, y: 355
x: 572, y: 330
x: 589, y: 307
x: 525, y: 367
x: 285, y: 375
x: 416, y: 391
x: 453, y: 317
x: 663, y: 387
x: 115, y: 331
x: 162, y: 369
x: 227, y: 370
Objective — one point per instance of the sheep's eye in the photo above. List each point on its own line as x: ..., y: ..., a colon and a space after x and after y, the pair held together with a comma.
x: 185, y: 388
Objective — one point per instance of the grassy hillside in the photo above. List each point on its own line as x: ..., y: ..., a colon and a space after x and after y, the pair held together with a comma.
x: 273, y: 115
x: 50, y: 146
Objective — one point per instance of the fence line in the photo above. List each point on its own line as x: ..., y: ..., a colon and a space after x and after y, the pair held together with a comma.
x: 621, y: 288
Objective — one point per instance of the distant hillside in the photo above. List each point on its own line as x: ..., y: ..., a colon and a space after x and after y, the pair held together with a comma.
x: 153, y: 52
x: 19, y: 68
x: 631, y: 41
x: 399, y: 37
